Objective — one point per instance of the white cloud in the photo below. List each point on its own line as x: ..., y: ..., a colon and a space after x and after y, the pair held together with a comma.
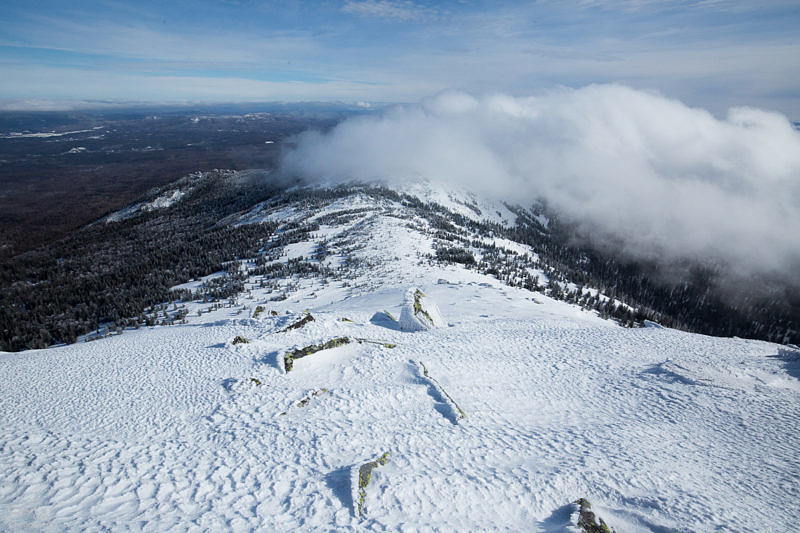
x: 388, y: 9
x: 668, y: 181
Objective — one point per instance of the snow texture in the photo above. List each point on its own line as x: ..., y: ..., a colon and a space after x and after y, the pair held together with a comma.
x: 167, y: 428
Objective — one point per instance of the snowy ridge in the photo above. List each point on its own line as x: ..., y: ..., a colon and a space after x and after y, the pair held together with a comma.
x: 461, y: 202
x: 179, y: 428
x: 161, y: 202
x: 161, y: 199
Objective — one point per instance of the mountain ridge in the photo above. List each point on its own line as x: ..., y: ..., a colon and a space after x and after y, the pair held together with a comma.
x: 204, y: 221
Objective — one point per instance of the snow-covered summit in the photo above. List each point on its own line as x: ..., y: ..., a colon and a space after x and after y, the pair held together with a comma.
x: 517, y: 406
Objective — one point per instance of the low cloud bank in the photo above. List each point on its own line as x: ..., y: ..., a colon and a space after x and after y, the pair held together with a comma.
x: 660, y: 179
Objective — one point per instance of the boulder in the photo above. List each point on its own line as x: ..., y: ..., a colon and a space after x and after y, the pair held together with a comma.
x: 419, y: 312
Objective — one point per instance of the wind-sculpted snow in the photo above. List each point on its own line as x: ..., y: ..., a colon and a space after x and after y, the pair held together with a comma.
x: 179, y: 427
x: 145, y: 429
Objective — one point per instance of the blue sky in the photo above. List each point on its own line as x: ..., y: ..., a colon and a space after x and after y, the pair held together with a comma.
x: 708, y: 53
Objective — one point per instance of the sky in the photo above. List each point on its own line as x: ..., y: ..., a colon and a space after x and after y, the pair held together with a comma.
x: 712, y: 54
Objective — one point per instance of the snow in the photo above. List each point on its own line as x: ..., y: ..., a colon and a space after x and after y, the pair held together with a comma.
x: 45, y: 134
x: 139, y: 428
x: 164, y: 428
x: 165, y: 200
x: 419, y: 312
x: 197, y: 283
x: 461, y: 202
x: 160, y: 202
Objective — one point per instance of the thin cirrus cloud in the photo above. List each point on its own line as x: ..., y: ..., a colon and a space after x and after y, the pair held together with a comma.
x: 387, y: 9
x: 140, y: 41
x: 711, y: 54
x: 163, y: 89
x: 664, y: 181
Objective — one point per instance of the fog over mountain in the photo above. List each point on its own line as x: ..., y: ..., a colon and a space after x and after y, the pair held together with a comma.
x: 634, y: 169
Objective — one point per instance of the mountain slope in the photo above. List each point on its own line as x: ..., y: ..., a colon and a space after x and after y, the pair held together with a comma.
x: 117, y: 273
x: 183, y: 426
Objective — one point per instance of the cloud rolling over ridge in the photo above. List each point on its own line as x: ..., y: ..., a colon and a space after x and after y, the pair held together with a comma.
x: 663, y: 180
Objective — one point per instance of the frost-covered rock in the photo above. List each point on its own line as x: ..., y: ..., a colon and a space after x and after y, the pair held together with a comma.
x: 419, y: 312
x: 587, y: 520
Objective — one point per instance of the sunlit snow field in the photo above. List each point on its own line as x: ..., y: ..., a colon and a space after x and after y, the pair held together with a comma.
x: 168, y: 428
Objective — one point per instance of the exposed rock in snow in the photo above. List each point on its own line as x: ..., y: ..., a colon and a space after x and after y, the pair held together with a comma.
x: 305, y: 401
x: 588, y: 521
x: 457, y: 412
x: 289, y: 358
x: 360, y: 477
x: 419, y: 312
x: 300, y: 323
